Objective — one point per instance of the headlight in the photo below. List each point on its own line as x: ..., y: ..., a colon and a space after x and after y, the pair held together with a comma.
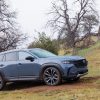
x: 66, y: 62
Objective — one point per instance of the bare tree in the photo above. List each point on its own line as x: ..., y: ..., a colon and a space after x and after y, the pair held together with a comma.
x: 69, y: 23
x: 89, y: 23
x: 9, y: 32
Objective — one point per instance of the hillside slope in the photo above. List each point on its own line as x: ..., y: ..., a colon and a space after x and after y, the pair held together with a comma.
x: 87, y: 88
x: 92, y: 54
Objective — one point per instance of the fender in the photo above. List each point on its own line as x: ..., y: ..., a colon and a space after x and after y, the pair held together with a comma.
x: 46, y: 65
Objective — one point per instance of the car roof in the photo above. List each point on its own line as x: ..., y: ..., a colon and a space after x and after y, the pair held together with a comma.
x: 15, y: 50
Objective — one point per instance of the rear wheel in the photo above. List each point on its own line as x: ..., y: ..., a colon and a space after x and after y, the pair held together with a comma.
x: 52, y: 76
x: 2, y: 83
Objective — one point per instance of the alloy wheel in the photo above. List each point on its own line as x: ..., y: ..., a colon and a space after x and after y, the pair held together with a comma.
x: 52, y: 76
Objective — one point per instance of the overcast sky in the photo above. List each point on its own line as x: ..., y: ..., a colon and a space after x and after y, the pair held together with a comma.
x: 32, y: 14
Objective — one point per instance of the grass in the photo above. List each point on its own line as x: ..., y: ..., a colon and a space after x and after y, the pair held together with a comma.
x: 88, y: 88
x: 65, y: 94
x: 86, y: 51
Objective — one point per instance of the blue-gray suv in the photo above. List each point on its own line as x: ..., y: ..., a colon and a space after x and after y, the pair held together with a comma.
x: 39, y: 64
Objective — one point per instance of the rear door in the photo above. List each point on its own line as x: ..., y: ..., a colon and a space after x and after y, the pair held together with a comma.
x: 10, y: 68
x: 1, y: 62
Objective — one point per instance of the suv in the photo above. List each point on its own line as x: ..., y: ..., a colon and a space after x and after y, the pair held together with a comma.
x: 39, y: 64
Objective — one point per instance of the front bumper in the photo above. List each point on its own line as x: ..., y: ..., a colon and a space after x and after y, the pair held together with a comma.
x: 74, y: 72
x: 80, y: 75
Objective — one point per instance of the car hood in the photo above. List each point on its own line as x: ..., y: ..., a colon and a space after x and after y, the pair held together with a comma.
x: 66, y: 58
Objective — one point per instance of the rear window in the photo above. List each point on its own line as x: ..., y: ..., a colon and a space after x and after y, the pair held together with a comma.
x: 23, y: 55
x: 11, y: 56
x: 1, y: 57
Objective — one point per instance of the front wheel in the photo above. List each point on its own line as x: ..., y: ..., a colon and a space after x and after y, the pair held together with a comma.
x: 51, y: 76
x: 2, y: 83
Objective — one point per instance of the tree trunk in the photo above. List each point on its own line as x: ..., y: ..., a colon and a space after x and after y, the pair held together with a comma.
x: 99, y: 34
x: 89, y: 40
x: 74, y: 51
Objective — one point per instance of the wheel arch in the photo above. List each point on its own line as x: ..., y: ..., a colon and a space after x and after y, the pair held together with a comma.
x: 47, y: 65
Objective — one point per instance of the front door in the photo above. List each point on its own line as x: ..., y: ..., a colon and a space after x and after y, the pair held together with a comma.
x: 26, y: 68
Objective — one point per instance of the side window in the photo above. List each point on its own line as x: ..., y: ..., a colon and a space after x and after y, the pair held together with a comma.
x: 1, y: 57
x: 23, y: 55
x: 11, y: 56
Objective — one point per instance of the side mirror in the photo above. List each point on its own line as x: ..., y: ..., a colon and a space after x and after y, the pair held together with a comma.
x: 29, y: 58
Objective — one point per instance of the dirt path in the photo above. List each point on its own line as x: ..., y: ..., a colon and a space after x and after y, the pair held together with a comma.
x: 86, y: 82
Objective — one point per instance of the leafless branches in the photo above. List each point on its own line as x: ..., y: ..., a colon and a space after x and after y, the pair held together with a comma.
x: 69, y: 26
x: 9, y: 32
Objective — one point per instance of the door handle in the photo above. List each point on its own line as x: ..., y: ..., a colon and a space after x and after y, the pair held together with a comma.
x: 1, y: 65
x: 19, y: 63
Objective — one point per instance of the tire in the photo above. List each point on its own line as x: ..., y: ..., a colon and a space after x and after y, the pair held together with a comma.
x: 52, y: 76
x: 2, y: 83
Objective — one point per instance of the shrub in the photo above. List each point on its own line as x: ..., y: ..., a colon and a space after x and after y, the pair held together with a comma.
x: 45, y: 42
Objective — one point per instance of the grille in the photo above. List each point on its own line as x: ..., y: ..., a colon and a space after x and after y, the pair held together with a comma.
x: 80, y: 63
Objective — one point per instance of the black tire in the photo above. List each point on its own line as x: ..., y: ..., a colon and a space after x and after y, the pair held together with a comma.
x: 2, y: 82
x: 52, y: 76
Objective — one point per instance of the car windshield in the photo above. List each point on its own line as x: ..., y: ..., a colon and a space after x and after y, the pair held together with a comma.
x: 42, y: 53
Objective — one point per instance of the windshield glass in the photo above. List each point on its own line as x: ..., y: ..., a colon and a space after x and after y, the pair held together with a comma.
x: 42, y: 53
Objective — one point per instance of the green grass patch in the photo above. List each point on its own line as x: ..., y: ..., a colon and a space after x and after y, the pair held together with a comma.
x: 85, y: 51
